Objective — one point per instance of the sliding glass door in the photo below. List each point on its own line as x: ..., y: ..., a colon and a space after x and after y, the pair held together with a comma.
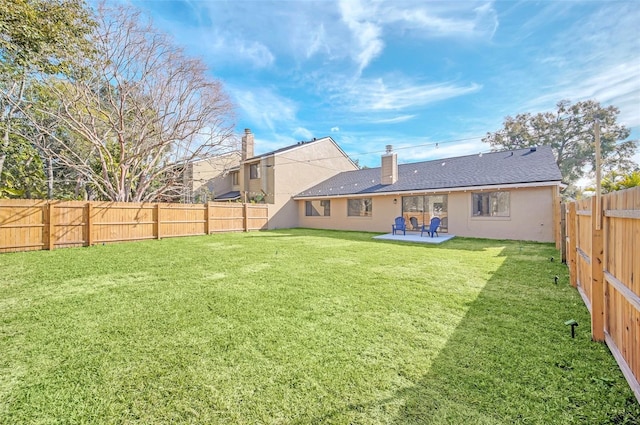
x: 418, y: 210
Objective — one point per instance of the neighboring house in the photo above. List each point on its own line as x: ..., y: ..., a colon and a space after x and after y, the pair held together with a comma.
x: 208, y: 178
x: 501, y: 195
x: 274, y: 177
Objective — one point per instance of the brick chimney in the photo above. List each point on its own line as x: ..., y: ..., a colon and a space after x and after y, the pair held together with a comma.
x: 247, y: 144
x: 389, y: 168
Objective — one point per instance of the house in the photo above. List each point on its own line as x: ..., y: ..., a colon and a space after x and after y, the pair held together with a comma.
x: 207, y: 178
x: 498, y: 195
x: 275, y: 177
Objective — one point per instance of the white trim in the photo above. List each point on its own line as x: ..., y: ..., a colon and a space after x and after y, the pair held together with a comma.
x: 492, y: 188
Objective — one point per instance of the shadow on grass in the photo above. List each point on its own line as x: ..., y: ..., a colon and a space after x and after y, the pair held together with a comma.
x: 512, y: 360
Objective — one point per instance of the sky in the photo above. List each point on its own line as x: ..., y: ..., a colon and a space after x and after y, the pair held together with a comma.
x: 430, y: 78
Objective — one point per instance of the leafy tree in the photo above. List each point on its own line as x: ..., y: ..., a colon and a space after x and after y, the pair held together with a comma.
x: 140, y: 110
x: 570, y: 132
x: 37, y: 38
x: 22, y: 176
x: 616, y: 181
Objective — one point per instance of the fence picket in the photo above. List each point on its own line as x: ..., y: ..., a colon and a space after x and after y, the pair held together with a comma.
x: 35, y: 225
x: 612, y: 290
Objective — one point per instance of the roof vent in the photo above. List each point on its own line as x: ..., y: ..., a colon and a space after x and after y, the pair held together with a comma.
x: 533, y: 149
x: 389, y: 148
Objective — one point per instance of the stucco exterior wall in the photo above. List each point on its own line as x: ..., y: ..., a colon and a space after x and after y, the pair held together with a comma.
x: 382, y: 215
x: 531, y: 216
x: 211, y: 174
x: 298, y: 169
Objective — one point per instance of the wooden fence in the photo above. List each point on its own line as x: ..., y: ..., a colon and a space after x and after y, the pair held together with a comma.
x: 603, y: 254
x: 34, y: 225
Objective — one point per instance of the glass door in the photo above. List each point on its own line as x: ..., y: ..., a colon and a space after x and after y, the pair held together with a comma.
x: 419, y: 210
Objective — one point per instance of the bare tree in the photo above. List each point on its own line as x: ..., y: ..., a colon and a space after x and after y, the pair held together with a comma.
x: 139, y: 112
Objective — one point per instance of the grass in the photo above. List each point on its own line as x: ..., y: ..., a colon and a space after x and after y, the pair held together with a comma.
x: 300, y: 327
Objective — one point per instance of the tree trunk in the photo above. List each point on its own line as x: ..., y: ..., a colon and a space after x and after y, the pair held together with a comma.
x: 5, y: 146
x: 49, y: 177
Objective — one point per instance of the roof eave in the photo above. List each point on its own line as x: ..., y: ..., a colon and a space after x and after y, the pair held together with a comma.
x: 439, y: 190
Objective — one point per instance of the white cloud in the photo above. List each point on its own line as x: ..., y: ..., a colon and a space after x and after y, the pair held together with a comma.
x: 366, y: 33
x: 228, y: 45
x: 444, y: 19
x: 596, y: 58
x: 357, y: 30
x: 368, y: 21
x: 265, y: 107
x: 317, y: 41
x: 394, y: 120
x: 378, y: 95
x: 432, y: 152
x: 303, y: 133
x: 617, y: 85
x: 368, y: 147
x: 335, y: 129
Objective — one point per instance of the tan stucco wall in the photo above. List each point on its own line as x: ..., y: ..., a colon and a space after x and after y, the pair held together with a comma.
x: 384, y: 211
x: 531, y: 216
x: 298, y: 169
x: 211, y: 173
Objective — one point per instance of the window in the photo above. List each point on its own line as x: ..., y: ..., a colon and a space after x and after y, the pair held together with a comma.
x: 491, y: 204
x: 254, y: 171
x: 234, y: 178
x: 362, y: 207
x: 317, y: 208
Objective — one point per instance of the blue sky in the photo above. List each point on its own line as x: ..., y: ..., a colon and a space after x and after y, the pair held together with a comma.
x: 412, y: 74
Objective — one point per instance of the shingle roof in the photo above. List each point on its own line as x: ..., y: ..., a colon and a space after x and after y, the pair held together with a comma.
x: 496, y: 168
x: 229, y: 196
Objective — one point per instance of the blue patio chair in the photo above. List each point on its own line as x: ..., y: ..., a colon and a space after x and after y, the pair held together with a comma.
x: 399, y: 225
x: 432, y: 227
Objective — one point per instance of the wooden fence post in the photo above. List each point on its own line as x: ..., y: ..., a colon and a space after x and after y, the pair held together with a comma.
x: 597, y: 272
x: 207, y: 218
x: 571, y: 249
x: 557, y: 218
x: 245, y: 214
x: 563, y: 232
x: 51, y: 237
x: 157, y: 222
x: 89, y: 221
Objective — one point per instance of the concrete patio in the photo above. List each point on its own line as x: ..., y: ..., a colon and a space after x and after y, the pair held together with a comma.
x: 415, y: 237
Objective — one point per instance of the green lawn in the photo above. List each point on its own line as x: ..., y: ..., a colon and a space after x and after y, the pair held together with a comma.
x: 300, y: 327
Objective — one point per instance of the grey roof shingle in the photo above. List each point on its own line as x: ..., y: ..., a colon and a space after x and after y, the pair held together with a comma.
x: 229, y: 196
x: 496, y: 168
